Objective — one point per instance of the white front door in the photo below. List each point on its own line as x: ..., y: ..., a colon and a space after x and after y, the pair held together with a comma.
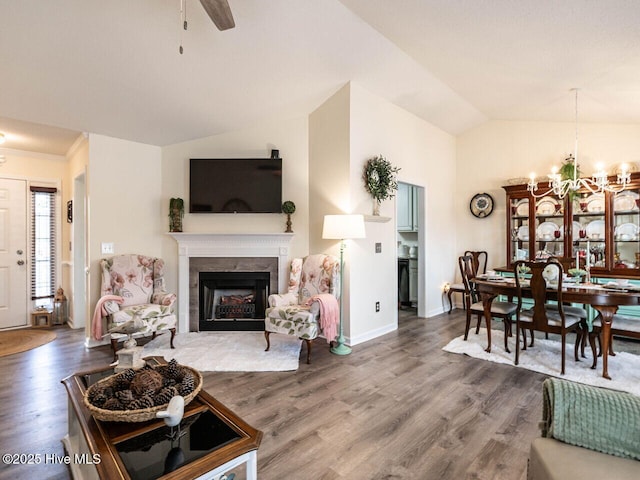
x: 13, y: 253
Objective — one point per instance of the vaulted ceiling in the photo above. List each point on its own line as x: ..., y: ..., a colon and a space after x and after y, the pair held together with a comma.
x: 113, y: 67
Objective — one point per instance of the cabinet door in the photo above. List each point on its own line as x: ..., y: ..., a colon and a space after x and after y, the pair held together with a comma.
x: 589, y: 230
x: 414, y: 208
x: 404, y: 211
x: 549, y: 227
x: 626, y: 230
x: 519, y: 243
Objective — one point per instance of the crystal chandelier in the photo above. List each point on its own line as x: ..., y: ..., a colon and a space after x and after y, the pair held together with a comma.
x: 598, y: 183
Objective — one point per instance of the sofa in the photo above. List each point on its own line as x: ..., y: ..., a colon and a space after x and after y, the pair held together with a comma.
x: 587, y: 433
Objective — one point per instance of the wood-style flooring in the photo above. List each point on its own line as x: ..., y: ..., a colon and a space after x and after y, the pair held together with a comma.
x: 398, y: 407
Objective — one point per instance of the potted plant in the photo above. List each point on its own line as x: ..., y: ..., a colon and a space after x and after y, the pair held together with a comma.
x: 176, y: 212
x: 577, y: 274
x: 567, y: 170
x: 289, y: 208
x: 380, y: 180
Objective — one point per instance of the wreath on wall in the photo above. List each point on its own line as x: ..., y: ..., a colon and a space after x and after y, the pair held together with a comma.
x: 380, y: 180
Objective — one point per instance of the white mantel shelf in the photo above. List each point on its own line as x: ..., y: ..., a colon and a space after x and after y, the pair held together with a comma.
x: 226, y: 245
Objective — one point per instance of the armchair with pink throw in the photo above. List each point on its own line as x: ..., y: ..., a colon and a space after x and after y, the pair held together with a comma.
x: 310, y: 306
x: 133, y: 288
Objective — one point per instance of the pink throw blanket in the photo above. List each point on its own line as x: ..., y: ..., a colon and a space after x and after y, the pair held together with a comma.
x: 329, y: 314
x: 99, y: 312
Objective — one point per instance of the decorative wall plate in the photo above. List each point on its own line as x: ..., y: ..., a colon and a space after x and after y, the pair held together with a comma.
x: 481, y: 205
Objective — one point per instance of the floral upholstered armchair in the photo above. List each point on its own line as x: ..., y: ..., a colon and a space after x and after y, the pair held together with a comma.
x: 313, y: 280
x: 133, y: 289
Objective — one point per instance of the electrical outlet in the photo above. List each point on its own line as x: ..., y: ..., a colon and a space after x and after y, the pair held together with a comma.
x: 378, y: 247
x: 377, y: 306
x: 107, y: 248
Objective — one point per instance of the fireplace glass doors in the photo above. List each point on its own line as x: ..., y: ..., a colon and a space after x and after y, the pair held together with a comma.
x: 232, y: 300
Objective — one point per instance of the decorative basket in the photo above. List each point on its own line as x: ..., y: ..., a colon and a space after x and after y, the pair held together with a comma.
x: 140, y: 414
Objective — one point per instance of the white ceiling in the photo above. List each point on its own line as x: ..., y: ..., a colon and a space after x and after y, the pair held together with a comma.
x: 113, y: 67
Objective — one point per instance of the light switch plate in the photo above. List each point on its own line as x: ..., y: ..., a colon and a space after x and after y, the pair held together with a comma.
x: 107, y: 248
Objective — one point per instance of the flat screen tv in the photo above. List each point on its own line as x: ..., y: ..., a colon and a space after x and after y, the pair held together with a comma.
x: 235, y: 185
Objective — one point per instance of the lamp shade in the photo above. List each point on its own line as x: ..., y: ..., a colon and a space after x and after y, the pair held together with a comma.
x: 343, y: 226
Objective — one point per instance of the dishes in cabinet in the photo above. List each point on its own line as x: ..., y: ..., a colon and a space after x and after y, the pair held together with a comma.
x: 547, y: 206
x: 576, y: 230
x: 522, y: 207
x: 626, y: 231
x: 625, y: 201
x: 595, y: 203
x: 546, y: 230
x: 523, y: 233
x: 595, y: 230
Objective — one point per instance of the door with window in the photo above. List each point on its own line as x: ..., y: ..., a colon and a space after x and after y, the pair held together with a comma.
x: 13, y: 253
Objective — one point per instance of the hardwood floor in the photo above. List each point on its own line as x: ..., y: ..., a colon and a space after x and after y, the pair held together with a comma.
x: 398, y: 407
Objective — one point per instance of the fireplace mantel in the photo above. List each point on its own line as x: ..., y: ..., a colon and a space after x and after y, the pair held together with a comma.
x: 226, y: 245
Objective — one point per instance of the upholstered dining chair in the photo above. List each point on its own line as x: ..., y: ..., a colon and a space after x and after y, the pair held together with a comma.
x: 479, y: 266
x: 310, y: 305
x: 540, y: 318
x: 133, y: 290
x: 473, y: 305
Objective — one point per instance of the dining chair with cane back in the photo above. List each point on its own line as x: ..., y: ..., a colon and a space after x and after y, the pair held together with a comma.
x: 545, y: 278
x: 479, y: 264
x: 473, y: 305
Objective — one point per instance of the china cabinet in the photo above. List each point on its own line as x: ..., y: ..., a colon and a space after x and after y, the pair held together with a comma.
x: 601, y: 230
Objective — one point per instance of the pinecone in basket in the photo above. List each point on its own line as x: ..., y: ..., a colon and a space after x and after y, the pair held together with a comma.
x: 146, y: 382
x: 125, y: 396
x: 98, y: 399
x: 165, y: 395
x: 128, y: 374
x: 143, y: 402
x: 173, y: 369
x: 168, y: 382
x: 113, y: 404
x: 188, y: 383
x: 121, y: 382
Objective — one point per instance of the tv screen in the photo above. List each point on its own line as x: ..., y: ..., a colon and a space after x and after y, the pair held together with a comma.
x: 235, y: 185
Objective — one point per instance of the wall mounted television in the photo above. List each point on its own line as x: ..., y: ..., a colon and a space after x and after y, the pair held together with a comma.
x: 235, y: 185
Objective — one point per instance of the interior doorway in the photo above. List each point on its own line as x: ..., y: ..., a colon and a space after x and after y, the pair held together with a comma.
x: 410, y: 246
x: 80, y: 267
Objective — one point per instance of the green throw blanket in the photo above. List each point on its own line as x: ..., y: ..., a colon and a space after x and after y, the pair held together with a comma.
x: 604, y: 420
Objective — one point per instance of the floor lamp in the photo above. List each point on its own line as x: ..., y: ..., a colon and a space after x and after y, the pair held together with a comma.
x: 342, y: 227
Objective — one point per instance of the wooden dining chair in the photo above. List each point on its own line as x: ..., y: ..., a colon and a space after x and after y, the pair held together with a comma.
x: 473, y: 305
x: 539, y: 317
x: 479, y: 264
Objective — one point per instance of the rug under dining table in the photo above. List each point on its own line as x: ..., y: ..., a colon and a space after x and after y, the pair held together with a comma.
x: 545, y: 357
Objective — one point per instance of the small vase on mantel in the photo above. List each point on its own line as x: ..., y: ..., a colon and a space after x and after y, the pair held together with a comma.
x: 376, y: 207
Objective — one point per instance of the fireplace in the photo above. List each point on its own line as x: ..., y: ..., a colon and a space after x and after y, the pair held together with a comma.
x: 247, y: 252
x: 232, y: 300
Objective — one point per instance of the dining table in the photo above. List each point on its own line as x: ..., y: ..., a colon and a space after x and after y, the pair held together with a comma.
x: 605, y: 299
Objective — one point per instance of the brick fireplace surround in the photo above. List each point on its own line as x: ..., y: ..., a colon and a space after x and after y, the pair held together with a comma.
x: 248, y: 249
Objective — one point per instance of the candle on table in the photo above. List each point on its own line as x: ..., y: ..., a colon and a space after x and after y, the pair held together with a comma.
x: 588, y: 261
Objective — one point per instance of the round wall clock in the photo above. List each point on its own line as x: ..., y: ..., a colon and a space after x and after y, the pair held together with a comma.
x: 481, y: 205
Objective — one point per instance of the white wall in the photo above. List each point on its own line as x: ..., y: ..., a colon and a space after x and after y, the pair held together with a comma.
x: 426, y: 157
x: 125, y: 208
x: 367, y: 125
x: 289, y: 136
x: 498, y: 151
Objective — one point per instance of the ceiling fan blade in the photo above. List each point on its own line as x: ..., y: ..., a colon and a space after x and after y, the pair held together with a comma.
x: 219, y: 12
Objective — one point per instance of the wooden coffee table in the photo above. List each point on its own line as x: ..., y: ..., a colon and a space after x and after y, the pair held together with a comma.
x: 215, y: 440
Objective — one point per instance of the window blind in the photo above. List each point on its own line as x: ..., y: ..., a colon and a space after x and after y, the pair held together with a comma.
x: 43, y: 242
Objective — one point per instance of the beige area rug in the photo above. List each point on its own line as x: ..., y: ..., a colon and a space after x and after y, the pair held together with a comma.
x: 16, y: 341
x: 544, y: 357
x: 228, y: 351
